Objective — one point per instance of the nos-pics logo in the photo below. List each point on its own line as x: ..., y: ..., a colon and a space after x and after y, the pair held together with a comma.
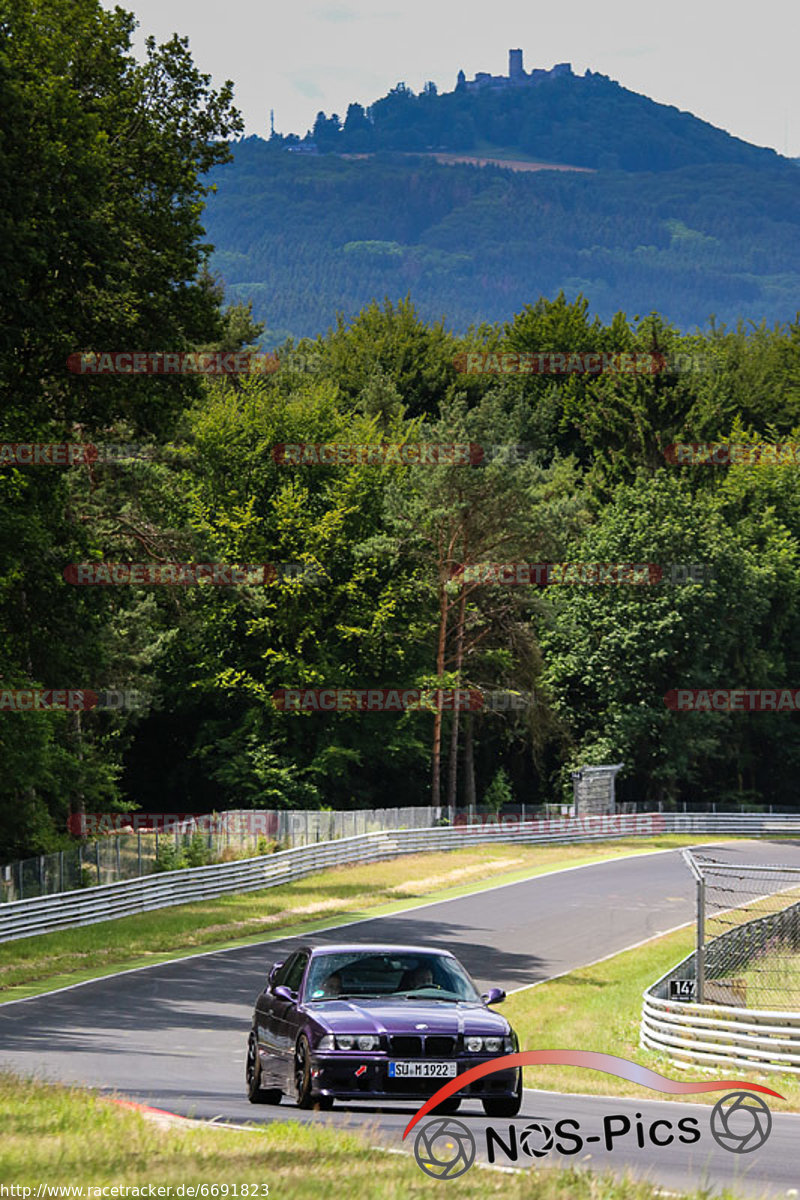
x: 446, y: 1148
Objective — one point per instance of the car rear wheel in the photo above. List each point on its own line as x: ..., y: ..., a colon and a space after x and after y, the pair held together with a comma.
x: 450, y: 1105
x: 505, y: 1106
x: 255, y: 1093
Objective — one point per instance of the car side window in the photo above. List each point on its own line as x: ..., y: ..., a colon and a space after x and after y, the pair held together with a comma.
x: 280, y: 975
x: 294, y: 974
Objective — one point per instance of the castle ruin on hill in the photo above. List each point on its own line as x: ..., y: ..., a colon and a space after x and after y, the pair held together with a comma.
x: 517, y: 75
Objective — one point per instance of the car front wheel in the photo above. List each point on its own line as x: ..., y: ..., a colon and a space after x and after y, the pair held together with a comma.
x: 255, y: 1093
x: 302, y: 1072
x: 505, y: 1106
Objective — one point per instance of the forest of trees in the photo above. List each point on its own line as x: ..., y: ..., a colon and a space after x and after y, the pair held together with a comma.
x: 105, y: 249
x: 304, y: 237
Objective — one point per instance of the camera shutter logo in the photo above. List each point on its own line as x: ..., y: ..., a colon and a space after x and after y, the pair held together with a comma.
x: 444, y: 1148
x: 536, y: 1139
x: 741, y: 1122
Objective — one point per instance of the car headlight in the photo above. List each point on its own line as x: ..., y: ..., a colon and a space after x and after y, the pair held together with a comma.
x: 349, y: 1041
x: 490, y: 1045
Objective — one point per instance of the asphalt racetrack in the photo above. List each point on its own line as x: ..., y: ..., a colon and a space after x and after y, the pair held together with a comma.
x: 174, y: 1036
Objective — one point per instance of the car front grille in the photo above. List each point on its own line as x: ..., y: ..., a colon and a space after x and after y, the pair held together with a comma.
x: 408, y: 1047
x: 439, y: 1047
x: 417, y: 1047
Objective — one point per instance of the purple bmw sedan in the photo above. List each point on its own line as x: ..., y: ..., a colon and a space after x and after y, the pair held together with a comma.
x: 377, y: 1023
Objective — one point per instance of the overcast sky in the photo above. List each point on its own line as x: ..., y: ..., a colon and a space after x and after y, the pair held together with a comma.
x: 731, y: 62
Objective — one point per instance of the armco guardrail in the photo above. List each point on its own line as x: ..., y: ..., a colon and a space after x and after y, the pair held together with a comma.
x: 715, y: 1034
x: 23, y: 918
x: 703, y: 1034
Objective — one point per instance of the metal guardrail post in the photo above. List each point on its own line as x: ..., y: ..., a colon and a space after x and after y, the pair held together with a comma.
x: 700, y: 970
x: 700, y: 948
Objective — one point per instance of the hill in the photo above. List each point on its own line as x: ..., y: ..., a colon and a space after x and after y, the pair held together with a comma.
x: 588, y: 121
x: 660, y: 209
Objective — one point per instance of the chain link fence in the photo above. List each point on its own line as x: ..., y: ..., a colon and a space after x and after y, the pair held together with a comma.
x: 748, y: 934
x: 125, y: 853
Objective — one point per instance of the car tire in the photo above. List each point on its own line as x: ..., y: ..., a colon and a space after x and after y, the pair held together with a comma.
x: 302, y: 1073
x: 324, y: 1103
x: 505, y: 1106
x: 255, y: 1093
x: 450, y: 1105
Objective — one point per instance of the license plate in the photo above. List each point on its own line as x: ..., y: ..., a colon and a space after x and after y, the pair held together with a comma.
x: 425, y: 1070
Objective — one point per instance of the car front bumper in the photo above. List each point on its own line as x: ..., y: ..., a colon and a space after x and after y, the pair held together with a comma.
x: 346, y: 1076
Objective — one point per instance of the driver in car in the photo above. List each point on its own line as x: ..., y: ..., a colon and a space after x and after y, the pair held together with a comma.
x: 422, y: 977
x: 333, y: 984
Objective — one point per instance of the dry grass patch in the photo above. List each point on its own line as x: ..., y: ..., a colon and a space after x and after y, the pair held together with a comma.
x: 417, y: 887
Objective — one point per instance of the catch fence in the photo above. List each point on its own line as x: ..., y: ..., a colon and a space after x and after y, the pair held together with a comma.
x: 736, y: 999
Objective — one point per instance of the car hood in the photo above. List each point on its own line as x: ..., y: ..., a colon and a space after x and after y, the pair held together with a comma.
x: 406, y: 1016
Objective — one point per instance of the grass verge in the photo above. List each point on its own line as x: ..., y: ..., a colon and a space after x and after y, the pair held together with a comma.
x: 598, y: 1008
x: 39, y: 964
x: 54, y: 1135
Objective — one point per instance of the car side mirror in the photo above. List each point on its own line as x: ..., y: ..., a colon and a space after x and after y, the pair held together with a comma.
x: 493, y: 996
x: 284, y: 993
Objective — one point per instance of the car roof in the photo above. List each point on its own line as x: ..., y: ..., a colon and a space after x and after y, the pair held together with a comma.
x: 376, y: 947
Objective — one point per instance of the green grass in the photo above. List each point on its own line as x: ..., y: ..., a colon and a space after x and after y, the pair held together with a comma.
x: 33, y: 965
x: 770, y: 981
x: 55, y: 1135
x: 598, y: 1008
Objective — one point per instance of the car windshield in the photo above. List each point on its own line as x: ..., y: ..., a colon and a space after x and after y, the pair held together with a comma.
x: 369, y: 974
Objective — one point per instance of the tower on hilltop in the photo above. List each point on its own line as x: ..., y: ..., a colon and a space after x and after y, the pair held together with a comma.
x: 515, y: 68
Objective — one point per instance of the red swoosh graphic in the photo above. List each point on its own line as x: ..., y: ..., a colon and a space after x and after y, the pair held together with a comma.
x: 595, y: 1061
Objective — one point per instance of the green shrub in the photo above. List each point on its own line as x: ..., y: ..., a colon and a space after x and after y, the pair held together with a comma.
x: 498, y: 792
x: 197, y: 853
x: 169, y: 857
